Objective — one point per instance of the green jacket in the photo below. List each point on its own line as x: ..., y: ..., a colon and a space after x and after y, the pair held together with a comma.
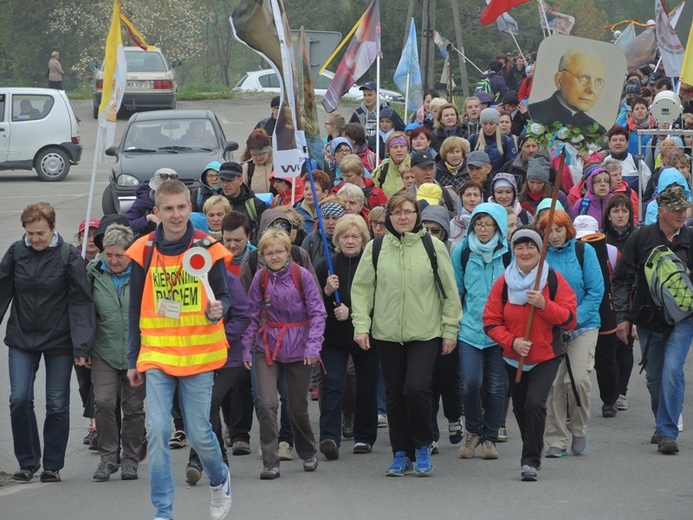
x: 111, y: 343
x: 393, y: 180
x: 407, y: 306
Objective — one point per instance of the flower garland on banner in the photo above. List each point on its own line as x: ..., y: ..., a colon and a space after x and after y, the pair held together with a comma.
x: 556, y: 137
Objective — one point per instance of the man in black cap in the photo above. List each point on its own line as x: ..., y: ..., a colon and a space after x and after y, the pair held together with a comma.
x: 268, y: 123
x: 518, y: 112
x: 365, y: 114
x: 423, y: 166
x: 240, y: 196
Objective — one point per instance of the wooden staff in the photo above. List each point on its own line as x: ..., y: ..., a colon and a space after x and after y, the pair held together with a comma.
x: 542, y: 258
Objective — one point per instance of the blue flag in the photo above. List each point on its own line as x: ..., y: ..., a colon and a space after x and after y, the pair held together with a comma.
x: 408, y: 70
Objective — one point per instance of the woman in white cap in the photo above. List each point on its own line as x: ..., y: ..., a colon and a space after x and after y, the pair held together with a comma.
x: 500, y: 148
x: 505, y: 194
x: 505, y: 317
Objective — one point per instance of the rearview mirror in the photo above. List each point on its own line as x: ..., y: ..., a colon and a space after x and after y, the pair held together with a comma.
x: 176, y: 63
x: 112, y: 151
x: 230, y: 146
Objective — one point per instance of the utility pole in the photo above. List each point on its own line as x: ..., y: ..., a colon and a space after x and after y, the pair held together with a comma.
x: 427, y: 43
x: 410, y: 14
x: 458, y: 38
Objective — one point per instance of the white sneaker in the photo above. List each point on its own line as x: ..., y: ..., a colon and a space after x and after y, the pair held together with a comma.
x: 285, y: 451
x: 220, y: 504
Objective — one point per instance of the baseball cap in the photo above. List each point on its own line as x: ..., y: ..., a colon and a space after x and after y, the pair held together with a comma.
x: 431, y: 193
x: 275, y: 102
x: 368, y: 85
x: 230, y: 170
x: 93, y: 223
x: 673, y: 198
x: 478, y: 158
x: 422, y: 159
x: 510, y: 98
x: 585, y: 225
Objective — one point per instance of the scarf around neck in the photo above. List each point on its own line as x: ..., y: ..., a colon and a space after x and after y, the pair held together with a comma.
x: 483, y: 250
x: 519, y: 283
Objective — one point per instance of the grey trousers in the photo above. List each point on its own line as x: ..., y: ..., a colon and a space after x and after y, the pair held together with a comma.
x: 297, y: 382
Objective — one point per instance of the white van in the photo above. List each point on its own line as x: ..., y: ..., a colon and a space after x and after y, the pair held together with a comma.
x: 39, y: 130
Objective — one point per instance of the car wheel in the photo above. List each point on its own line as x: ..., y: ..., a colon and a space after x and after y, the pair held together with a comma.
x: 95, y: 111
x: 52, y: 165
x: 107, y: 204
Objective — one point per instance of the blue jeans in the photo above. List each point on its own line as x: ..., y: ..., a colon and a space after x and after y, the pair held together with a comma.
x: 482, y: 368
x: 664, y: 373
x: 56, y: 427
x: 195, y: 395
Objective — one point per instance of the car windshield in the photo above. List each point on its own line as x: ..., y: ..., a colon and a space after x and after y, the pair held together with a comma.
x: 178, y: 134
x: 138, y: 61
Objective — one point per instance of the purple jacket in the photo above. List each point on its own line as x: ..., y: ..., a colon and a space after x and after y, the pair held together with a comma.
x: 286, y: 306
x: 596, y: 205
x: 236, y: 321
x: 137, y: 214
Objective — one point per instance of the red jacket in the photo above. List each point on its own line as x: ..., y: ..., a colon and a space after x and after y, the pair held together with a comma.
x: 374, y: 195
x: 503, y: 322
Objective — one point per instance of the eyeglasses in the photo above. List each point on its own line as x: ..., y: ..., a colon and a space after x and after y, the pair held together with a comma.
x: 486, y: 225
x: 258, y: 154
x: 212, y: 175
x: 279, y: 252
x: 342, y: 149
x: 406, y: 213
x: 601, y: 181
x: 434, y: 230
x: 585, y: 80
x: 377, y: 223
x: 168, y: 176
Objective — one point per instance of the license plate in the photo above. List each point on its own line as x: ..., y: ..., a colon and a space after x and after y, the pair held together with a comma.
x: 138, y: 84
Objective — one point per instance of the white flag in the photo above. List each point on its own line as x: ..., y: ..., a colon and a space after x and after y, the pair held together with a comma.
x: 670, y: 48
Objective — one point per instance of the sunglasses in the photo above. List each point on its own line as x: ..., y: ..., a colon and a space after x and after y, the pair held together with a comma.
x: 168, y: 176
x: 434, y: 230
x: 280, y: 225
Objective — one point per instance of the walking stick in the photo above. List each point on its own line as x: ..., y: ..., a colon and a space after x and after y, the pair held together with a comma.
x: 542, y: 258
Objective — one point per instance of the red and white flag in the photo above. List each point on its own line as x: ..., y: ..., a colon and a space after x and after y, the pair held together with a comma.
x: 670, y: 48
x: 495, y: 8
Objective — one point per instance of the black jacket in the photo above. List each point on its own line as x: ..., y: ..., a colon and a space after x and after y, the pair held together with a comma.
x: 52, y: 308
x: 632, y: 297
x: 338, y: 333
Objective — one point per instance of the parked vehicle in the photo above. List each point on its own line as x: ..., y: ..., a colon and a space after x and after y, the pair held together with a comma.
x: 151, y: 82
x: 39, y: 130
x: 185, y: 140
x: 267, y: 81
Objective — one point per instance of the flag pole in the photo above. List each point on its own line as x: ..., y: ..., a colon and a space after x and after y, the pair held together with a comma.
x: 406, y: 98
x: 467, y: 59
x: 518, y: 46
x: 546, y: 20
x: 377, y: 109
x: 341, y: 44
x: 92, y: 184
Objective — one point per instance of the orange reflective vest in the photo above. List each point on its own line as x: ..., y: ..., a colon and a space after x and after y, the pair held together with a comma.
x: 190, y: 344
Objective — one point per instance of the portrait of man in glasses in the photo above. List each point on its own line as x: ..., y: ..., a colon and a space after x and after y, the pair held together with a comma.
x: 579, y: 80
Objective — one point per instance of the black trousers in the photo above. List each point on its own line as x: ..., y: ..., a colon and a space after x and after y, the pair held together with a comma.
x: 529, y: 406
x: 446, y: 385
x: 607, y: 368
x: 624, y: 360
x: 408, y: 371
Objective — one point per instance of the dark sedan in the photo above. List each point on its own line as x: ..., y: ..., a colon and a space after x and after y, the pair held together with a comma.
x: 185, y: 140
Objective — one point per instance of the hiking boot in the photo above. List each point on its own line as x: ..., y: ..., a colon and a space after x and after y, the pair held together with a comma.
x: 220, y: 503
x: 528, y: 473
x: 362, y: 447
x: 502, y: 434
x: 667, y: 445
x: 226, y: 434
x: 25, y: 474
x: 128, y: 472
x: 310, y: 464
x: 270, y: 474
x: 94, y: 442
x: 89, y: 436
x: 50, y: 476
x: 488, y: 451
x: 104, y: 471
x: 178, y: 440
x: 401, y: 465
x: 434, y: 448
x: 423, y: 466
x: 285, y: 451
x: 622, y: 403
x: 555, y: 453
x: 382, y: 420
x: 193, y: 473
x: 240, y: 448
x: 609, y: 411
x: 579, y: 445
x: 471, y: 441
x: 654, y: 439
x: 348, y: 427
x: 329, y: 449
x: 455, y: 431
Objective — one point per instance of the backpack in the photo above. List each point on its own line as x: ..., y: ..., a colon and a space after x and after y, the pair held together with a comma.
x: 484, y: 85
x: 432, y: 257
x: 19, y: 246
x: 670, y: 285
x: 466, y: 252
x: 383, y: 174
x: 295, y: 276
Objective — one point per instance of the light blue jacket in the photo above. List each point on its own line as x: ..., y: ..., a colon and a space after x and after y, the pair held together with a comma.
x: 587, y: 282
x: 668, y: 177
x: 474, y: 283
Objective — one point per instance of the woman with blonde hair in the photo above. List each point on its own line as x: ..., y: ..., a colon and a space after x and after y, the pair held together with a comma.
x: 215, y: 209
x: 447, y: 123
x: 257, y: 161
x: 490, y: 139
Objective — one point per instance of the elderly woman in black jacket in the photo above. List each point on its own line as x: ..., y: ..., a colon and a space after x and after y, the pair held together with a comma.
x: 52, y: 317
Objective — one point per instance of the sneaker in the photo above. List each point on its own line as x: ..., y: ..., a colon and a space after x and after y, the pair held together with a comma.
x: 502, y: 434
x: 434, y: 448
x: 286, y: 451
x: 89, y: 436
x: 471, y: 441
x: 270, y: 474
x: 654, y: 439
x: 313, y: 392
x: 362, y: 447
x: 382, y: 420
x: 622, y: 403
x: 226, y: 434
x: 104, y: 471
x: 455, y: 431
x: 579, y: 445
x: 94, y: 442
x: 220, y: 503
x: 193, y: 473
x: 240, y: 448
x: 488, y: 451
x: 329, y: 449
x: 128, y: 472
x: 310, y: 464
x: 178, y: 440
x: 667, y: 445
x: 25, y: 474
x: 401, y: 465
x: 348, y: 427
x: 528, y: 473
x: 424, y: 466
x: 609, y: 411
x: 555, y: 453
x: 50, y: 476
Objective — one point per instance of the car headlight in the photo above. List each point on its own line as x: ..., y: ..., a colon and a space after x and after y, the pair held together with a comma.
x: 127, y: 180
